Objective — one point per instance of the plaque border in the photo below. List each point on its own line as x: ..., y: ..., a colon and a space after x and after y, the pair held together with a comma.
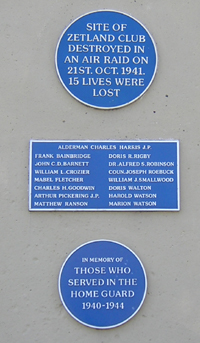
x: 142, y: 301
x: 106, y: 209
x: 100, y: 107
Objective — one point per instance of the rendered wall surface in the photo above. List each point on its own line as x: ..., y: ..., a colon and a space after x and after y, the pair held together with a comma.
x: 34, y: 105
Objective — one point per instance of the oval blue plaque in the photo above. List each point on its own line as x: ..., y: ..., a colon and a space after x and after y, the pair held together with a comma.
x: 106, y: 59
x: 102, y: 284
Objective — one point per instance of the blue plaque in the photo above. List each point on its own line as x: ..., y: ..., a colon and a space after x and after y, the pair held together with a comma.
x: 106, y: 59
x: 104, y: 176
x: 102, y: 284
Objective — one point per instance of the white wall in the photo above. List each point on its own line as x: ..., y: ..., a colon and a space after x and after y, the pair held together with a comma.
x: 34, y: 105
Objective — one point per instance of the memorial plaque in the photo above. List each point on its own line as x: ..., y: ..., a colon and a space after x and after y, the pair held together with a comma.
x: 104, y: 176
x: 106, y: 59
x: 102, y: 284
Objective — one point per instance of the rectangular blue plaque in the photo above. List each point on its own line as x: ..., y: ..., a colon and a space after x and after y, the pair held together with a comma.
x: 104, y: 176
